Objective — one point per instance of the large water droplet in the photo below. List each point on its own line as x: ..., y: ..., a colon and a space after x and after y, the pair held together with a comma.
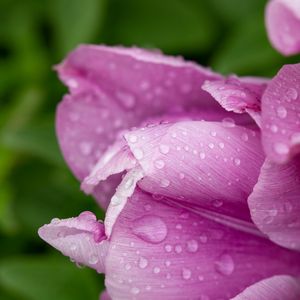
x: 164, y: 149
x: 143, y: 263
x: 281, y: 112
x: 192, y: 246
x: 150, y: 228
x: 186, y: 273
x: 224, y: 264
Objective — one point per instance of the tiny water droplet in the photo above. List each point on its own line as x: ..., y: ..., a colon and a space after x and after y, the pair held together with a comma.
x: 143, y: 263
x: 135, y: 291
x: 217, y: 203
x: 281, y: 112
x: 192, y: 246
x: 138, y: 153
x: 133, y: 138
x: 228, y: 122
x: 292, y: 94
x: 237, y: 161
x: 186, y: 273
x: 156, y: 270
x: 159, y: 164
x: 178, y: 249
x: 168, y: 248
x: 93, y: 259
x: 203, y: 238
x: 164, y: 182
x: 164, y: 149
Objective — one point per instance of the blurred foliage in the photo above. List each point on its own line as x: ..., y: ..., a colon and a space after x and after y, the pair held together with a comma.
x: 35, y: 184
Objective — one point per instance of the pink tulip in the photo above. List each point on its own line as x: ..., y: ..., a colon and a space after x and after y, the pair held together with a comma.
x: 199, y: 174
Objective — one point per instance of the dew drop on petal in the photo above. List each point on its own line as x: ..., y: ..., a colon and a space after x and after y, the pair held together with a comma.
x: 186, y: 273
x: 192, y: 246
x: 164, y: 183
x: 143, y: 263
x: 164, y: 149
x: 135, y: 291
x: 281, y: 148
x: 93, y: 259
x: 228, y: 122
x: 150, y: 228
x: 224, y: 264
x: 138, y: 153
x: 159, y: 164
x: 292, y: 94
x: 281, y: 112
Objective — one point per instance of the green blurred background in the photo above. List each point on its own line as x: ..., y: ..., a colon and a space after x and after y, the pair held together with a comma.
x: 35, y: 184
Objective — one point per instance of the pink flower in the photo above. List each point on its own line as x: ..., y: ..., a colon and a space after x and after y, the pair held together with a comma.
x: 283, y: 25
x: 197, y: 206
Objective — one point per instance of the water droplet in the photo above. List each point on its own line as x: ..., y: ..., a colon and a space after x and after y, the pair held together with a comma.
x: 135, y: 291
x: 138, y: 153
x: 178, y: 226
x: 292, y: 94
x: 127, y: 267
x: 192, y: 246
x: 93, y: 259
x: 156, y: 270
x: 150, y: 228
x: 55, y: 221
x: 228, y: 122
x: 168, y: 248
x: 85, y: 148
x: 202, y: 155
x: 237, y: 161
x: 295, y: 139
x: 128, y: 100
x: 115, y: 200
x: 245, y: 137
x: 221, y: 145
x: 211, y: 145
x: 225, y: 264
x: 203, y: 238
x: 73, y: 247
x: 213, y: 133
x: 178, y: 249
x: 144, y: 85
x: 159, y: 164
x: 174, y: 135
x: 273, y: 212
x: 181, y: 175
x: 147, y: 207
x: 143, y: 263
x: 217, y: 203
x: 164, y: 149
x: 133, y: 138
x: 281, y: 112
x: 281, y: 148
x: 201, y: 278
x: 164, y: 182
x: 167, y: 263
x: 186, y: 273
x: 274, y: 128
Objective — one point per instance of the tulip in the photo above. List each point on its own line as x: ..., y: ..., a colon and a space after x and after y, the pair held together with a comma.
x: 199, y: 175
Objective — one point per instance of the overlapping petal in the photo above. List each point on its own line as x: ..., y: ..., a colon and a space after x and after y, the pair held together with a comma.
x: 81, y: 238
x: 238, y: 94
x: 281, y: 115
x: 115, y: 88
x: 208, y: 164
x: 162, y: 252
x: 275, y: 205
x: 280, y: 287
x: 283, y: 25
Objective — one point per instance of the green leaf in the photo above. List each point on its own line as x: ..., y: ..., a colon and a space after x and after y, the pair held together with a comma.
x: 247, y: 51
x: 38, y: 139
x: 47, y: 278
x: 76, y: 21
x: 171, y: 25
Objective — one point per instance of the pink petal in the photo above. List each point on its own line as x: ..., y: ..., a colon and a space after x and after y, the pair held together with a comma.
x: 238, y: 94
x: 207, y: 164
x: 115, y: 88
x: 283, y: 25
x: 281, y: 115
x: 282, y: 287
x: 81, y: 238
x: 161, y: 252
x: 274, y: 203
x: 104, y: 296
